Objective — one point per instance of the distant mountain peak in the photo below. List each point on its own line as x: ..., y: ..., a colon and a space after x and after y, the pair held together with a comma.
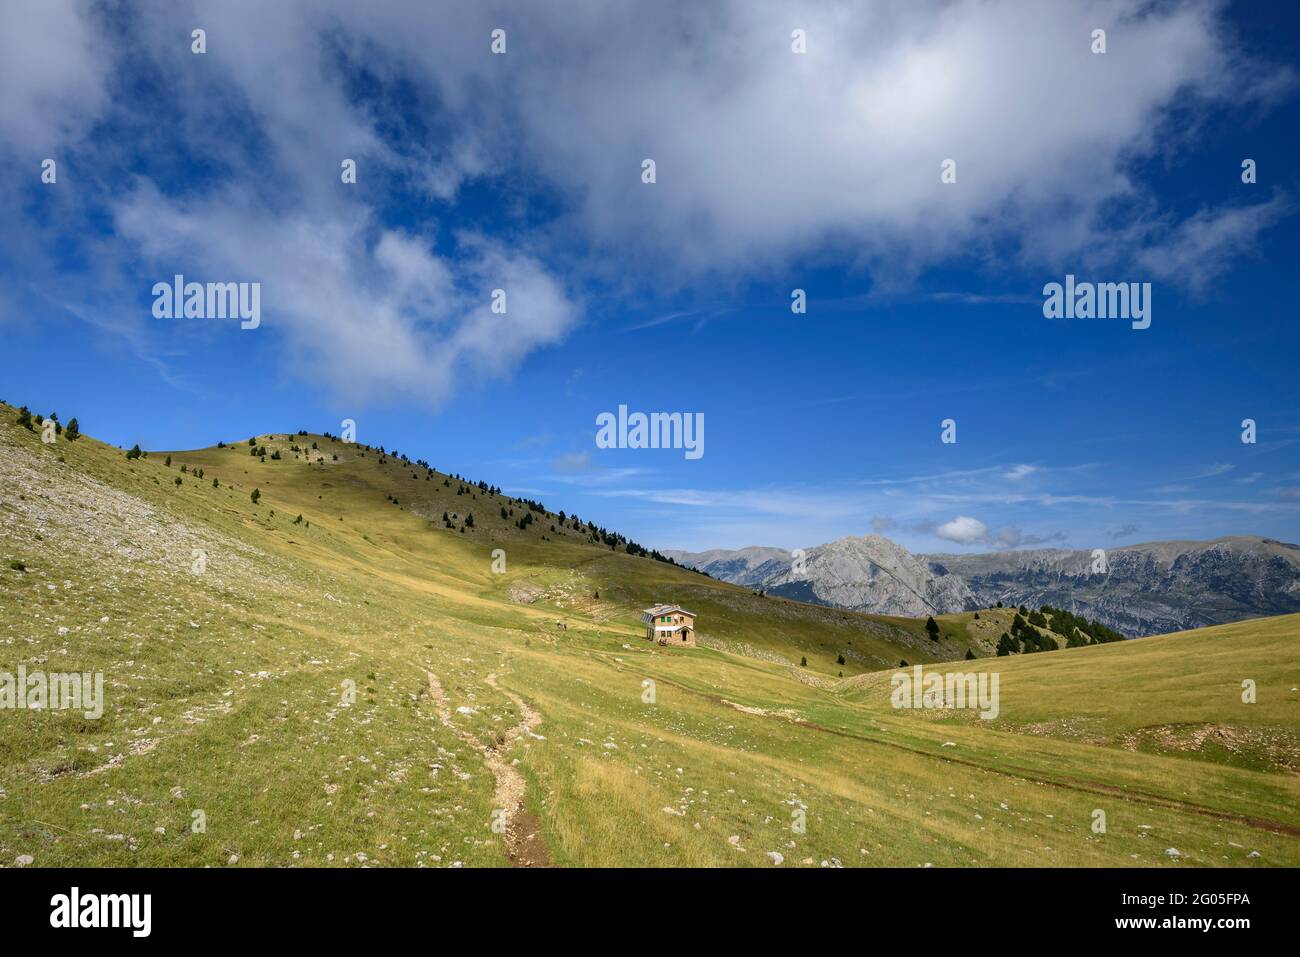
x: 1146, y: 588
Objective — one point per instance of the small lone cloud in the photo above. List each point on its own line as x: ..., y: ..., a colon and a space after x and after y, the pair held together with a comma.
x: 1019, y: 471
x: 573, y: 462
x: 964, y: 530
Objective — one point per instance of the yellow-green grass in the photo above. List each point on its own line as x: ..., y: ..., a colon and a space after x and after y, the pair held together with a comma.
x: 226, y: 694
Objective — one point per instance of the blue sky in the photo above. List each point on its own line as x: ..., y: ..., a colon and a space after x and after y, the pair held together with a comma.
x: 775, y: 171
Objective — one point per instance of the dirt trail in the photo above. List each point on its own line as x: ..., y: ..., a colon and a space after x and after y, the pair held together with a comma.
x: 522, y: 833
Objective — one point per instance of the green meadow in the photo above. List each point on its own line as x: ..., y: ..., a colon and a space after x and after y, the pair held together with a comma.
x: 332, y: 676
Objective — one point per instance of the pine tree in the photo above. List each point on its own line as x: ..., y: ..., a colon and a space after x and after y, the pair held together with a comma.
x: 73, y: 431
x: 932, y: 627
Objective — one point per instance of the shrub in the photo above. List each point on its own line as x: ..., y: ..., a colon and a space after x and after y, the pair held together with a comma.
x: 135, y: 452
x: 803, y: 662
x: 178, y: 480
x: 257, y: 494
x: 932, y: 627
x: 25, y: 419
x: 839, y: 659
x: 17, y: 566
x: 73, y: 431
x: 970, y: 655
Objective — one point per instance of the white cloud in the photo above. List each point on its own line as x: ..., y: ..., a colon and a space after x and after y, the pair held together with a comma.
x: 52, y: 72
x: 964, y: 530
x: 1200, y: 248
x: 573, y: 462
x: 763, y: 155
x: 371, y: 312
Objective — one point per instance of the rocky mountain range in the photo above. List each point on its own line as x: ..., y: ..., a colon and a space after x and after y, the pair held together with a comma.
x: 1137, y: 590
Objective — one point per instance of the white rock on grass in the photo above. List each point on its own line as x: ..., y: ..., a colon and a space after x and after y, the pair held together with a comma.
x: 776, y: 856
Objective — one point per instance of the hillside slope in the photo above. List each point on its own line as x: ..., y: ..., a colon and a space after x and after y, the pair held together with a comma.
x: 361, y: 687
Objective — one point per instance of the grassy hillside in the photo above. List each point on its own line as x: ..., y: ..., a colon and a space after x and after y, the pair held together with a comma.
x: 231, y: 637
